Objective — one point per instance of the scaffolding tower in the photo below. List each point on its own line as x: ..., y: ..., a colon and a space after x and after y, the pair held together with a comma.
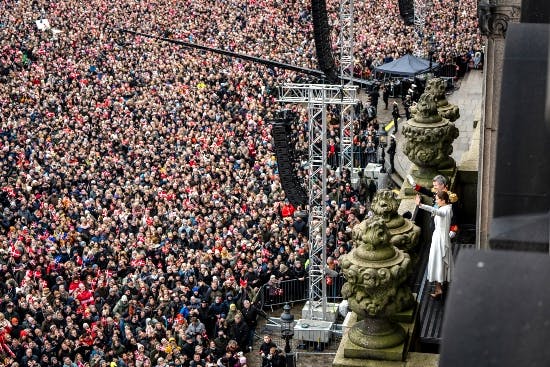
x: 317, y: 97
x: 347, y: 60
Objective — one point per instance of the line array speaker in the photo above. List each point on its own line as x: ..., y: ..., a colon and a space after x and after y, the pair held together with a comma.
x: 284, y: 152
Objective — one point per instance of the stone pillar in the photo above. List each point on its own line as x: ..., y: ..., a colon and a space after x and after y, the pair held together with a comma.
x: 376, y: 274
x: 404, y: 234
x: 494, y: 16
x: 429, y: 143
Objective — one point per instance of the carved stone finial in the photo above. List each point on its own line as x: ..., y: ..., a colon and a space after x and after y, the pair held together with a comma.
x: 375, y: 273
x: 426, y: 109
x: 437, y: 87
x: 429, y: 139
x: 404, y: 234
x: 494, y: 16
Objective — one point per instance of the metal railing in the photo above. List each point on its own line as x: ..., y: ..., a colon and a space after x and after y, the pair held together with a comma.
x: 294, y: 290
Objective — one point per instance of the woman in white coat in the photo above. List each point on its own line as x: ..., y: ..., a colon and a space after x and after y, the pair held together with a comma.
x: 440, y: 259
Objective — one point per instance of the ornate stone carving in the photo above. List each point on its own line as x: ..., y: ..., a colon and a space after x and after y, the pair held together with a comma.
x: 437, y: 87
x: 404, y: 234
x: 429, y: 139
x: 425, y: 110
x: 375, y: 273
x: 494, y: 16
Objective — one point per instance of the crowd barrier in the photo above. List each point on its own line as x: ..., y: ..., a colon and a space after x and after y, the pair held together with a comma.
x: 291, y: 291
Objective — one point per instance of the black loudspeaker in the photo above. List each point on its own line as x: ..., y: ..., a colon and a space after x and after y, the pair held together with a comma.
x: 284, y: 151
x: 406, y: 10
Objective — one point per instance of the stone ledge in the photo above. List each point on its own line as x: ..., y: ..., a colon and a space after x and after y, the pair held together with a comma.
x: 413, y: 360
x: 349, y: 354
x: 470, y: 159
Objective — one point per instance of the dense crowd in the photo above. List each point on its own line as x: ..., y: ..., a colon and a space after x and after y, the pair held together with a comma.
x: 141, y: 207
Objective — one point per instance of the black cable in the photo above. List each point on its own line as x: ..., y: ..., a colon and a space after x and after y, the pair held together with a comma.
x: 258, y: 60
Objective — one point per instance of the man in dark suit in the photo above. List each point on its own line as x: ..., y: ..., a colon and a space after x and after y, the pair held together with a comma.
x: 391, y: 152
x: 239, y: 332
x: 250, y: 317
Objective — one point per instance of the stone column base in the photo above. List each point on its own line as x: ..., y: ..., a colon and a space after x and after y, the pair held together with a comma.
x: 351, y: 355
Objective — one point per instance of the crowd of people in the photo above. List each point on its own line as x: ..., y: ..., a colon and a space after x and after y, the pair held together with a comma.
x: 141, y: 206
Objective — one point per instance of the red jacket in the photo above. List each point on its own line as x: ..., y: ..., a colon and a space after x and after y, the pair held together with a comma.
x: 288, y: 210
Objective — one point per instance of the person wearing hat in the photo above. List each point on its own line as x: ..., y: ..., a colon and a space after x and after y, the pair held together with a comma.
x: 386, y: 91
x: 196, y: 292
x: 407, y: 104
x: 188, y: 347
x: 230, y: 318
x: 203, y: 315
x: 10, y: 311
x: 287, y: 209
x: 230, y: 299
x: 392, y: 149
x: 170, y: 346
x: 58, y: 281
x: 16, y: 329
x: 122, y: 305
x: 395, y: 114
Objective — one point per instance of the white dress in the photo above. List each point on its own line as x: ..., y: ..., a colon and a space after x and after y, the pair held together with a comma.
x: 440, y: 261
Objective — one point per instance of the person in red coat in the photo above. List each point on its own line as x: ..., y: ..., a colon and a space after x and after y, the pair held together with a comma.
x: 84, y: 295
x: 287, y: 209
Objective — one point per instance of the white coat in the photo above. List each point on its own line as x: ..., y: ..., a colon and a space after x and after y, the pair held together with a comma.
x: 440, y: 262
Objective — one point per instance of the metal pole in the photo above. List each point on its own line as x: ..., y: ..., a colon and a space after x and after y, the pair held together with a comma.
x: 289, y: 357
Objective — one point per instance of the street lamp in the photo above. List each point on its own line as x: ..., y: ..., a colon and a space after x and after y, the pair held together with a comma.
x: 383, y: 142
x: 431, y: 51
x: 287, y: 332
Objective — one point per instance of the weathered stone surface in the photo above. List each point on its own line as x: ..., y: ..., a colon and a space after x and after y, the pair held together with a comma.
x: 404, y: 233
x: 437, y: 87
x: 429, y: 139
x: 495, y: 15
x: 380, y: 358
x: 375, y: 289
x: 494, y: 19
x: 405, y: 316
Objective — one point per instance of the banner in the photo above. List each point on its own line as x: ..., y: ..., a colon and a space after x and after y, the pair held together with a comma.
x: 43, y: 24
